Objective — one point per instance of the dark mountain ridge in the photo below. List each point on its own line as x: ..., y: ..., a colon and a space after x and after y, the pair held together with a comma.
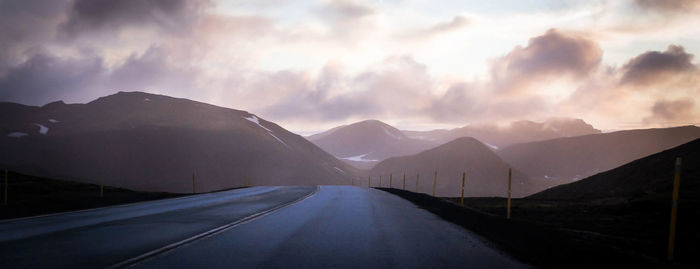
x: 649, y: 177
x: 153, y: 142
x: 486, y: 173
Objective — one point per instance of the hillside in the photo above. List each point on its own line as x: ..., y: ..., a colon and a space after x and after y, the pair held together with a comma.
x: 364, y: 144
x: 647, y: 177
x: 564, y: 160
x: 516, y: 132
x: 31, y: 196
x: 153, y: 142
x: 487, y: 174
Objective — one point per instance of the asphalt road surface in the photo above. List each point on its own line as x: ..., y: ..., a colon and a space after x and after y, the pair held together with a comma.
x: 260, y: 227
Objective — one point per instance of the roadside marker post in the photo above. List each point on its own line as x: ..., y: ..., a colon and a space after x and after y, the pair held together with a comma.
x: 194, y: 190
x: 404, y: 181
x: 390, y: 178
x: 461, y: 200
x: 508, y: 213
x: 434, y: 183
x: 369, y: 179
x: 353, y: 181
x: 674, y: 210
x: 102, y: 189
x: 417, y: 178
x: 380, y: 181
x: 6, y: 186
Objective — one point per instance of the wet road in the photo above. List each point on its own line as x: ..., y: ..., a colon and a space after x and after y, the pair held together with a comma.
x: 261, y: 227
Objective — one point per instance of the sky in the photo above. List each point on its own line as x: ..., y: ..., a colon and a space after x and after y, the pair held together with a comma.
x: 313, y: 65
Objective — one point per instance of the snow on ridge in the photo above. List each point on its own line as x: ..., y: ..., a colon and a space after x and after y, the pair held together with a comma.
x: 341, y: 170
x: 255, y: 120
x: 359, y: 158
x: 17, y: 134
x: 53, y: 121
x: 146, y: 100
x: 278, y: 139
x: 491, y: 146
x: 42, y: 129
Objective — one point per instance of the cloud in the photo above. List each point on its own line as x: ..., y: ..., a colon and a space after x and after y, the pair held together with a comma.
x: 334, y: 95
x: 651, y: 66
x: 670, y: 6
x: 458, y: 22
x: 154, y: 70
x: 347, y: 20
x: 674, y: 112
x: 553, y: 54
x: 106, y: 16
x: 27, y: 25
x: 44, y: 78
x: 344, y: 11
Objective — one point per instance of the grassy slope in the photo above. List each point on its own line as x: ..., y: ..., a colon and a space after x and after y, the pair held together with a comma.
x: 552, y: 234
x: 30, y: 196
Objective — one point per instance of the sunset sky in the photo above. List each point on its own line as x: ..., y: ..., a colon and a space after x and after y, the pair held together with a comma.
x: 312, y: 65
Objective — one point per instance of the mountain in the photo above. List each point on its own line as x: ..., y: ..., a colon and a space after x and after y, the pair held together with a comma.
x: 643, y: 178
x: 564, y: 160
x: 516, y: 132
x: 486, y: 173
x: 364, y: 144
x: 153, y: 142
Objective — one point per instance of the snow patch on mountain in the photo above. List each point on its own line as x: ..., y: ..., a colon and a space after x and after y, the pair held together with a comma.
x: 53, y: 121
x: 359, y: 158
x: 491, y: 146
x: 17, y: 134
x: 42, y: 129
x: 255, y: 120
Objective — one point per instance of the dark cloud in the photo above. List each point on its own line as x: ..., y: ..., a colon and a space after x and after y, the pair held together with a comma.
x: 44, y: 78
x: 27, y: 25
x: 551, y: 54
x: 154, y: 70
x: 90, y: 16
x: 655, y: 65
x: 676, y: 111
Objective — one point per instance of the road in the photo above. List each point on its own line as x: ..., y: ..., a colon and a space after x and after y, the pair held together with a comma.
x: 260, y: 227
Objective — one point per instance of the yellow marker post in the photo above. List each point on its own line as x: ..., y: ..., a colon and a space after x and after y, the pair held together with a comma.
x: 6, y: 186
x: 404, y: 181
x: 194, y: 190
x: 461, y: 201
x: 417, y: 178
x: 674, y: 210
x: 390, y: 177
x: 434, y: 183
x: 508, y: 213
